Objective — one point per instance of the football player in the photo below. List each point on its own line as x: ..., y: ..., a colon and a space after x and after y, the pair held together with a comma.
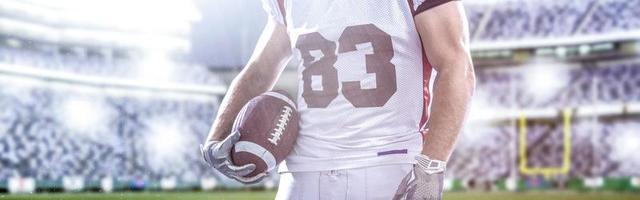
x: 367, y: 130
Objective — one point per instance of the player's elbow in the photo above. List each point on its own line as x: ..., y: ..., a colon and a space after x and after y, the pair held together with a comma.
x: 470, y: 77
x: 467, y: 77
x: 458, y: 70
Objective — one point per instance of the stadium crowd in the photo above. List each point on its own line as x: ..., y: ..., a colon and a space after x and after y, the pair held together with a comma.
x: 97, y: 65
x: 562, y: 86
x: 520, y: 19
x: 37, y: 140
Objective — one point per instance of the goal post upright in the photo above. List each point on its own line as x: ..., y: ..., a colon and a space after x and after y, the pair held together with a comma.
x: 547, y: 172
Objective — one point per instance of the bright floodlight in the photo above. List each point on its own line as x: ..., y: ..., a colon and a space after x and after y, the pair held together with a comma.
x: 626, y: 144
x: 543, y: 79
x: 156, y: 68
x: 83, y: 115
x: 149, y: 15
x: 480, y: 109
x: 166, y: 142
x: 17, y: 86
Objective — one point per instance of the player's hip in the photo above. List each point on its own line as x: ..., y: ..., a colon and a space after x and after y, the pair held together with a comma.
x: 310, y: 154
x: 375, y: 182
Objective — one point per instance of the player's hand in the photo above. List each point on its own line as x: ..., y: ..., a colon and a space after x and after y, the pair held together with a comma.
x: 218, y: 155
x: 424, y: 182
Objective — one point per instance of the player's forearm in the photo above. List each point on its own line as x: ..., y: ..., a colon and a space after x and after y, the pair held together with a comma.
x: 453, y: 89
x: 269, y: 58
x: 244, y: 87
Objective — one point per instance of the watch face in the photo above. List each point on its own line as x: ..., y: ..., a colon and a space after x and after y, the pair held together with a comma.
x: 434, y: 170
x: 431, y: 166
x: 435, y: 166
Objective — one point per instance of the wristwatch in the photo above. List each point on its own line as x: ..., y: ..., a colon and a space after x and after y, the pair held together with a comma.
x: 431, y: 166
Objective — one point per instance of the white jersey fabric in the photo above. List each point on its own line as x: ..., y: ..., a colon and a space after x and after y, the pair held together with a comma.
x: 363, y: 82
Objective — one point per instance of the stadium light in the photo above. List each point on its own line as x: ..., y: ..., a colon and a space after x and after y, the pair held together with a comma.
x: 481, y: 115
x: 148, y: 15
x: 165, y: 141
x: 156, y: 68
x: 626, y: 144
x: 121, y: 23
x: 12, y: 42
x: 585, y: 49
x: 561, y: 52
x: 17, y: 86
x: 480, y: 109
x: 545, y: 78
x: 84, y: 115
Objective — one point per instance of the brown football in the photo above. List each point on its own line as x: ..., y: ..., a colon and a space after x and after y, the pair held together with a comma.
x: 268, y: 126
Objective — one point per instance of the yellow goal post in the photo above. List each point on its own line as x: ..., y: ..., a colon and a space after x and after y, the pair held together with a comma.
x: 547, y: 172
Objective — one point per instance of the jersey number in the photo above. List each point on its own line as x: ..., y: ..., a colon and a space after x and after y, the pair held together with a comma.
x: 378, y: 63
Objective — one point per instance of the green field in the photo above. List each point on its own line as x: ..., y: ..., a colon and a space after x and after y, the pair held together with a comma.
x: 242, y: 195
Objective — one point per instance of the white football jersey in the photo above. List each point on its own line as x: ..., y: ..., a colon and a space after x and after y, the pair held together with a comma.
x: 363, y: 81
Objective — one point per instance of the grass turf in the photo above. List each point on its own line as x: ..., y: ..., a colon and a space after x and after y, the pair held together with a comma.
x: 253, y: 195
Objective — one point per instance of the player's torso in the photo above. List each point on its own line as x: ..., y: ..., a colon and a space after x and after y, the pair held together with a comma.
x: 361, y: 74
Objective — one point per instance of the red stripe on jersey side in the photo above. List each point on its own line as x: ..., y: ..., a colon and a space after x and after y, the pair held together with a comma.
x: 426, y: 76
x: 282, y: 11
x: 426, y: 79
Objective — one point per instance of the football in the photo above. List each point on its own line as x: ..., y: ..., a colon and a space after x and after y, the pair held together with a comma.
x: 268, y: 125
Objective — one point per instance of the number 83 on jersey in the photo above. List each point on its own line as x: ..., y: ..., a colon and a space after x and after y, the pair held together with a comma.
x: 378, y: 64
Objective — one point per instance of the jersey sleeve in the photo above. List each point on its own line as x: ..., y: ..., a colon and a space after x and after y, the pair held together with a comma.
x: 275, y: 9
x: 420, y: 6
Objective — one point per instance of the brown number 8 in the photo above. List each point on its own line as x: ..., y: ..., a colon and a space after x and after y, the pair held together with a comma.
x: 378, y: 63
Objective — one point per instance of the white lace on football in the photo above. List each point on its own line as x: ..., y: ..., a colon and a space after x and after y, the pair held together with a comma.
x: 283, y: 121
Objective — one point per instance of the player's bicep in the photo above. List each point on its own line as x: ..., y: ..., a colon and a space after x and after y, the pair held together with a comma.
x: 444, y: 33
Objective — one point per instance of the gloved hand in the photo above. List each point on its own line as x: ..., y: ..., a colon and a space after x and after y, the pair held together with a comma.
x: 424, y: 182
x: 217, y: 155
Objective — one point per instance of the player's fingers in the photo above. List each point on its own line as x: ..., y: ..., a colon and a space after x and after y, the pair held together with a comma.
x: 202, y: 150
x: 402, y: 188
x: 240, y: 179
x: 225, y: 146
x: 221, y: 164
x: 242, y: 170
x: 257, y: 178
x: 223, y: 149
x: 398, y: 196
x: 436, y: 183
x: 234, y: 137
x: 400, y: 192
x: 250, y: 180
x: 204, y: 154
x: 228, y: 170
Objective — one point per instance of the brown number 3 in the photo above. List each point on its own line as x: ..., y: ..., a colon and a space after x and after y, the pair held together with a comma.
x: 378, y: 63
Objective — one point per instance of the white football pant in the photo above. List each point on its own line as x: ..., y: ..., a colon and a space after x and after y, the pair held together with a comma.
x: 377, y: 182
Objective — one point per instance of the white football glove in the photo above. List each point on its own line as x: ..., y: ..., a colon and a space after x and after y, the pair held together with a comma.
x: 424, y: 182
x: 217, y: 155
